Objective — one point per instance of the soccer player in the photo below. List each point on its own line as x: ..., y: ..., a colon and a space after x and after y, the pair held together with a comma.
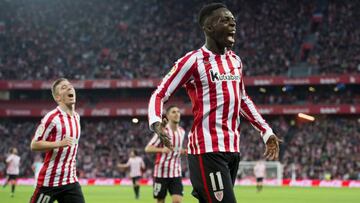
x: 58, y: 136
x: 136, y: 165
x: 167, y: 169
x: 36, y: 167
x: 214, y: 81
x: 259, y: 172
x: 12, y: 169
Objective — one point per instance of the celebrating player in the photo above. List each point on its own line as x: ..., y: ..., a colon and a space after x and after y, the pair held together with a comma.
x: 58, y: 135
x: 167, y: 169
x: 136, y: 165
x: 214, y: 82
x: 12, y: 169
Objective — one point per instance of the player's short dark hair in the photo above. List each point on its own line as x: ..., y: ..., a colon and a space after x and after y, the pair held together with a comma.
x: 207, y: 10
x: 134, y: 151
x: 55, y: 84
x: 13, y: 150
x: 169, y: 108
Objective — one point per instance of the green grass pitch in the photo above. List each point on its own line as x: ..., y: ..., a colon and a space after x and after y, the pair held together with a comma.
x: 124, y: 194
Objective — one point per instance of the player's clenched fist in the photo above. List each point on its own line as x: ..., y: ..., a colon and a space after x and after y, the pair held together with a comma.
x: 67, y: 141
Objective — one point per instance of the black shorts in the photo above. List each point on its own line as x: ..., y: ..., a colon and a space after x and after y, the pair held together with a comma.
x: 259, y: 180
x: 135, y: 179
x: 162, y: 185
x: 70, y: 193
x: 12, y: 177
x: 213, y: 176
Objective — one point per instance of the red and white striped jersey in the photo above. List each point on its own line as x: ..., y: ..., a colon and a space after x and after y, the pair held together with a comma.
x: 136, y: 164
x: 168, y: 165
x: 13, y: 164
x: 59, y: 167
x: 216, y: 88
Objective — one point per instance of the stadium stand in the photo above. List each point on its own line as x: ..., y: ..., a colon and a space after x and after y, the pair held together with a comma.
x: 92, y: 39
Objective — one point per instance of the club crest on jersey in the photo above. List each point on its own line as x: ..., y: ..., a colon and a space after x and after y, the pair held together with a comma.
x: 173, y: 69
x: 217, y: 77
x: 40, y: 130
x: 219, y: 195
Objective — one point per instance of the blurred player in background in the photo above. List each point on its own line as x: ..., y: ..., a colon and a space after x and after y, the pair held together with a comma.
x: 136, y: 166
x: 36, y: 167
x: 58, y: 136
x: 214, y: 81
x: 167, y: 169
x: 260, y: 173
x: 12, y: 169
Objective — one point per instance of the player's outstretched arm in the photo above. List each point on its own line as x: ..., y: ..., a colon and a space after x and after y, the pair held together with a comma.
x: 42, y: 145
x: 123, y: 166
x: 153, y: 149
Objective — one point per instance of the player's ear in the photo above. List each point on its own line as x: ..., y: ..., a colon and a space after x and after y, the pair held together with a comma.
x: 57, y: 97
x: 208, y: 28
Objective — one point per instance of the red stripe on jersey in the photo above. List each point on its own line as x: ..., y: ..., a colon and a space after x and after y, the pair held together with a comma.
x: 169, y: 163
x: 198, y: 115
x: 59, y: 152
x: 173, y: 157
x: 67, y: 154
x: 34, y: 197
x: 163, y: 165
x: 202, y: 171
x: 213, y: 104
x: 191, y: 91
x: 157, y: 161
x: 225, y: 112
x: 236, y: 103
x: 71, y: 167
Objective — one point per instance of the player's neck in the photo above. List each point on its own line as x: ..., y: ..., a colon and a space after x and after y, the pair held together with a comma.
x: 173, y: 126
x: 69, y: 109
x: 211, y: 45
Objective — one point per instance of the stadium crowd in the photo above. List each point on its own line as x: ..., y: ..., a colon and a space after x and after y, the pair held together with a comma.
x: 328, y: 146
x: 126, y: 39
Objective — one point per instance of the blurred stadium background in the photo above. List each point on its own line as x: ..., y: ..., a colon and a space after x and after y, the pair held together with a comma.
x: 299, y: 56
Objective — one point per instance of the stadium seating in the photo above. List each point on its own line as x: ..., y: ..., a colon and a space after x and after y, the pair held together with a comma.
x: 90, y: 39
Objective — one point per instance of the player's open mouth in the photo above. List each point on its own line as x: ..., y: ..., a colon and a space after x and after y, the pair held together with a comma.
x: 231, y: 37
x: 71, y: 95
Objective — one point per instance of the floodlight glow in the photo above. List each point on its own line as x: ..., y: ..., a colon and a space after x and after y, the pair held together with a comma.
x: 306, y: 117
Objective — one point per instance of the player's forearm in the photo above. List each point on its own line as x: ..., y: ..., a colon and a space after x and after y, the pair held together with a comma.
x: 122, y: 166
x: 153, y: 149
x: 44, y: 145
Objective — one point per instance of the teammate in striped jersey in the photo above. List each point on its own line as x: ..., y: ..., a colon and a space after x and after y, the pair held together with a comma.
x: 12, y: 169
x: 213, y: 78
x: 136, y: 165
x: 58, y: 135
x: 167, y: 169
